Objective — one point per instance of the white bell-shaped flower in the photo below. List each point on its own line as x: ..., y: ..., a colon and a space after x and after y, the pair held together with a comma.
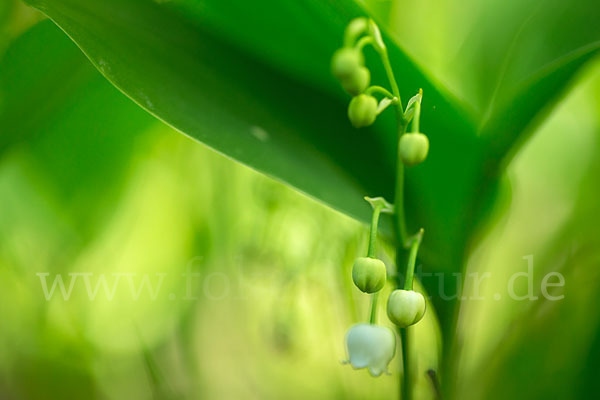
x: 370, y: 346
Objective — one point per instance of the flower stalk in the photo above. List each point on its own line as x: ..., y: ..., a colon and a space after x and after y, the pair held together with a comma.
x: 405, y: 307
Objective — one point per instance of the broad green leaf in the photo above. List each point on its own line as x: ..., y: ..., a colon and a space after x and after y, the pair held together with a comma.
x: 522, y: 364
x: 15, y: 18
x: 510, y: 356
x: 5, y: 10
x: 256, y: 86
x: 517, y: 117
x: 532, y: 74
x: 509, y: 60
x: 513, y: 41
x: 74, y: 132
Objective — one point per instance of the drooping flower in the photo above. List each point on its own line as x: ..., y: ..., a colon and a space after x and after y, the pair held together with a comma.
x: 370, y: 346
x: 405, y: 307
x: 369, y: 274
x: 362, y: 110
x: 413, y: 148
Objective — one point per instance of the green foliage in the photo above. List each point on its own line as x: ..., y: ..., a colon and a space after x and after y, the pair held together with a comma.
x: 211, y: 72
x: 253, y: 81
x: 69, y: 125
x: 275, y: 89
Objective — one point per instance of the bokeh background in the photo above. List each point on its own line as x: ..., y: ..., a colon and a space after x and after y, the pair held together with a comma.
x: 265, y: 314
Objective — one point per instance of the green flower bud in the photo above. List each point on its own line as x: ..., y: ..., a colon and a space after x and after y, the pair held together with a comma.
x: 370, y: 346
x: 405, y: 307
x: 369, y: 274
x: 362, y: 110
x: 357, y: 82
x: 345, y: 62
x: 356, y: 27
x: 413, y: 148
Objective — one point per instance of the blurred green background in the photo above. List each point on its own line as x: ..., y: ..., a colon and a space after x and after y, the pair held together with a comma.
x: 265, y: 314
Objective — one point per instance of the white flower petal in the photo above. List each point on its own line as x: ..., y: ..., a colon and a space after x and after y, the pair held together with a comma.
x: 370, y: 346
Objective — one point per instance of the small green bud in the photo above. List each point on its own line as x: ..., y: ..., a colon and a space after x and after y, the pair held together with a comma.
x: 369, y: 274
x: 357, y: 27
x: 358, y: 82
x: 413, y: 148
x: 370, y: 346
x: 405, y: 307
x: 345, y: 62
x: 362, y: 110
x: 376, y: 35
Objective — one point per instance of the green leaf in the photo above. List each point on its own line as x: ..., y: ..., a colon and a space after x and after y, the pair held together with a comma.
x: 527, y: 79
x: 255, y: 86
x: 251, y: 80
x: 510, y: 60
x: 531, y: 101
x: 508, y: 57
x: 73, y: 131
x: 522, y: 364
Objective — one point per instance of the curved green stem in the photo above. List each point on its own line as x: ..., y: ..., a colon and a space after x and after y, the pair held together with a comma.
x: 412, y: 258
x: 401, y: 235
x: 395, y: 90
x: 373, y: 232
x: 362, y: 42
x: 371, y: 253
x: 390, y: 75
x: 382, y: 90
x: 374, y: 298
x: 417, y: 116
x: 399, y: 197
x: 352, y: 35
